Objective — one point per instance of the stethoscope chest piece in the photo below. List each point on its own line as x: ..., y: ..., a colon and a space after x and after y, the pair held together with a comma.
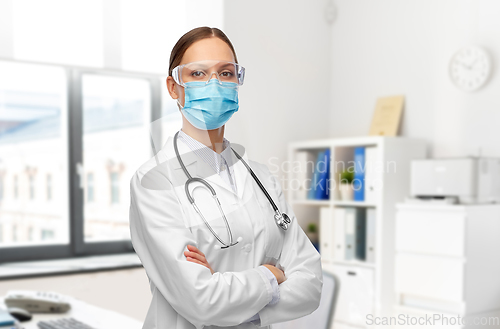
x: 282, y: 220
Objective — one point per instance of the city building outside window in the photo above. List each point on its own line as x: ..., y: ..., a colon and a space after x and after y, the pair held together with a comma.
x: 115, y: 188
x: 47, y: 234
x: 49, y: 187
x: 30, y: 233
x: 16, y: 188
x: 1, y: 187
x: 32, y: 186
x: 90, y: 187
x: 14, y: 232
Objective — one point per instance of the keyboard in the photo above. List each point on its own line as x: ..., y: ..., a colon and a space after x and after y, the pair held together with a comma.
x: 64, y: 323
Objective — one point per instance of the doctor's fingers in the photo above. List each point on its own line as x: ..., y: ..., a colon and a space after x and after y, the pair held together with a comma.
x: 193, y: 248
x: 195, y: 255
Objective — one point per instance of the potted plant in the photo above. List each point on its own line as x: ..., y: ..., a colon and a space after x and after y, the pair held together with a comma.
x: 312, y: 234
x: 345, y: 185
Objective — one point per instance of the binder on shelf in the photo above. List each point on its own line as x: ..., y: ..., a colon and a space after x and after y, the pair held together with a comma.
x: 305, y: 161
x: 326, y: 232
x: 323, y: 167
x: 370, y: 234
x: 316, y: 175
x: 359, y: 174
x: 360, y: 249
x: 339, y: 233
x: 371, y: 185
x: 350, y: 232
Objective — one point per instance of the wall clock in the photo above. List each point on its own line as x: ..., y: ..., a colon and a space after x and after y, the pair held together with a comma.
x: 470, y: 68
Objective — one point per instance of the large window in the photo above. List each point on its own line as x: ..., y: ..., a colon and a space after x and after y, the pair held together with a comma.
x: 70, y: 140
x: 116, y: 119
x: 74, y: 130
x: 33, y: 145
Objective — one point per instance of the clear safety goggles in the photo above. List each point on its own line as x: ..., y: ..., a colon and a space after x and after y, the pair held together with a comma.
x: 203, y: 71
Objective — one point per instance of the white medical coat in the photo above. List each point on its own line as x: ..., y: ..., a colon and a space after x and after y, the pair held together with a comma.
x: 185, y: 295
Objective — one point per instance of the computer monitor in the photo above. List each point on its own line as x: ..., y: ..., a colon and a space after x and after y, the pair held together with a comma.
x: 322, y: 317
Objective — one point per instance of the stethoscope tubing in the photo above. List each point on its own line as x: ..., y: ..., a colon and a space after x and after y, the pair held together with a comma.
x: 258, y: 181
x: 281, y: 219
x: 193, y: 203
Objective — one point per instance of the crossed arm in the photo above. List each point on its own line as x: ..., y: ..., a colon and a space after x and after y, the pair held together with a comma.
x: 196, y: 256
x: 275, y: 275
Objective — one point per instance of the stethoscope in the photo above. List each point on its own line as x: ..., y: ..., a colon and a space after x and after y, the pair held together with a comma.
x: 281, y: 219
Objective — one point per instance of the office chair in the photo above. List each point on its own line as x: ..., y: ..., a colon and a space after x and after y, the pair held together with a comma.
x: 322, y: 317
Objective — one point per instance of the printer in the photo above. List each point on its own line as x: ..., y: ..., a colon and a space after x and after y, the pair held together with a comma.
x: 469, y: 180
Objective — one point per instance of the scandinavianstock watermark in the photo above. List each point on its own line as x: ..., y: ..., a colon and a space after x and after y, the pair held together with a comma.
x: 432, y: 320
x: 299, y: 175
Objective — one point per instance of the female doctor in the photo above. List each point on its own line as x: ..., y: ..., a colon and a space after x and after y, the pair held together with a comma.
x: 242, y: 261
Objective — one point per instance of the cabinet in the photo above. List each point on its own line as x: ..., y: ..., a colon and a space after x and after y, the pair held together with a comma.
x: 366, y: 286
x: 446, y: 260
x: 356, y: 296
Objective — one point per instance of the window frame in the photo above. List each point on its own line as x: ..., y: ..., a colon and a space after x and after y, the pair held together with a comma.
x: 77, y: 246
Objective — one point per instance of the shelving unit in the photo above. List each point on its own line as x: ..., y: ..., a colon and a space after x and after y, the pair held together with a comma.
x: 365, y: 288
x: 327, y: 203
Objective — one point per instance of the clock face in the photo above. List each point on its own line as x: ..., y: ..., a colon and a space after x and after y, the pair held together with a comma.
x: 470, y: 68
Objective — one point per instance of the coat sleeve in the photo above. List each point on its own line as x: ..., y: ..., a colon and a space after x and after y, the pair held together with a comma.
x: 160, y: 237
x: 300, y: 293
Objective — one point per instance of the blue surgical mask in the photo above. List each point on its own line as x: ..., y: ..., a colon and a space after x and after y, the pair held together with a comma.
x: 209, y: 105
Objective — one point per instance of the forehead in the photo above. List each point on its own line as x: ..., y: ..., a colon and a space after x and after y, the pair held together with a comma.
x: 211, y: 48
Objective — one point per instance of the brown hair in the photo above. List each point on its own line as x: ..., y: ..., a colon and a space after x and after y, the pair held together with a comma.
x: 191, y: 37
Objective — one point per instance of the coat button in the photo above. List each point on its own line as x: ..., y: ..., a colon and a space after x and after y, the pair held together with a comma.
x: 247, y: 248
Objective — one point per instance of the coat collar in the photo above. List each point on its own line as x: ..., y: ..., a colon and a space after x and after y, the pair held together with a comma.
x: 199, y: 168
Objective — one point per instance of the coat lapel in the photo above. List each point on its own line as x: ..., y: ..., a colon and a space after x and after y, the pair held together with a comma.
x: 240, y: 171
x: 199, y: 168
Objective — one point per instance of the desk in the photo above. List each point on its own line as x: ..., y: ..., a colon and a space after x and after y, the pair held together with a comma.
x: 92, y: 315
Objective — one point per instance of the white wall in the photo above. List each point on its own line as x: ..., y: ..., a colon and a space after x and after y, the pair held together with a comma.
x: 285, y: 48
x: 388, y: 47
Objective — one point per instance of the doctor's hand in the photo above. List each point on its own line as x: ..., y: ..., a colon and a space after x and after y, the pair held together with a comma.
x: 279, y: 274
x: 196, y: 256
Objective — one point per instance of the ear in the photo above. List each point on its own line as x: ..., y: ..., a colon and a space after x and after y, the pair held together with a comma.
x: 171, y: 86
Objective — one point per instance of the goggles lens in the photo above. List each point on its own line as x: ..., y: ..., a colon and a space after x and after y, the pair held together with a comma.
x: 203, y: 71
